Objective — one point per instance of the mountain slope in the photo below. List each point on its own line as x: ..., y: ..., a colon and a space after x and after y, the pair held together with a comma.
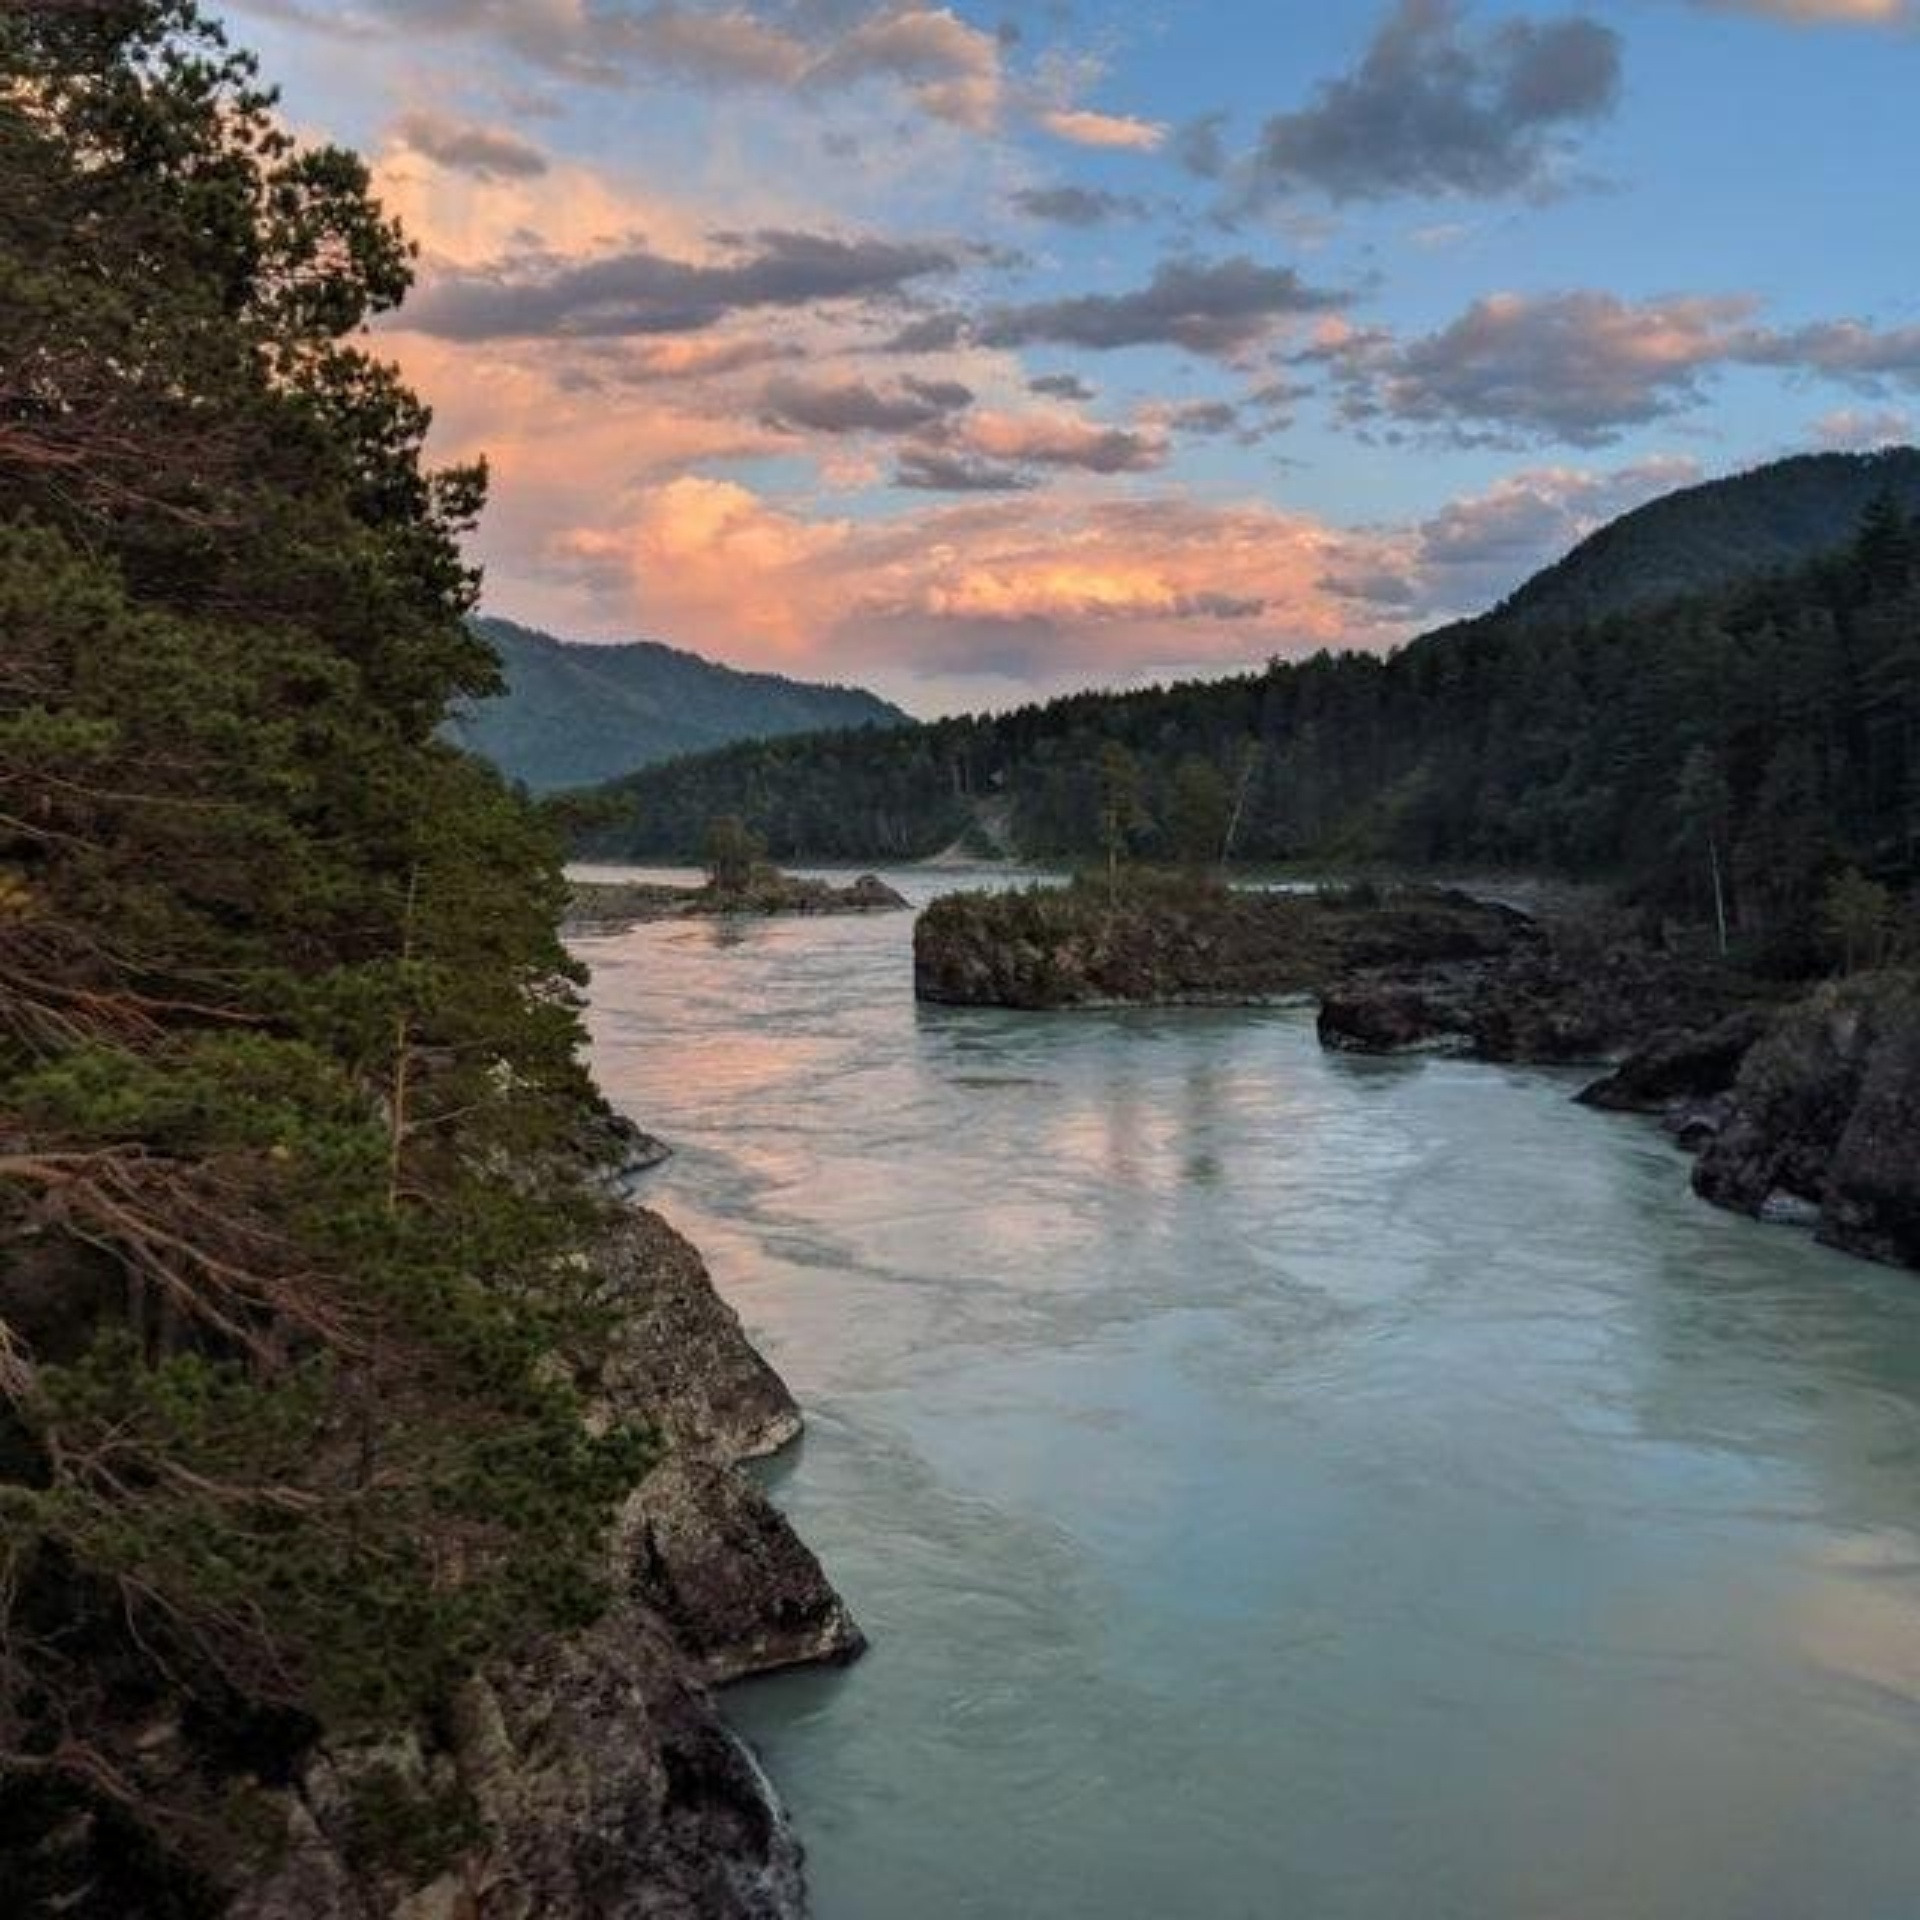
x: 575, y: 714
x: 1702, y: 538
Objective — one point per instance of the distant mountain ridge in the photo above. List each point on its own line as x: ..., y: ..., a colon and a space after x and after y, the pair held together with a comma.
x: 1701, y: 538
x: 575, y: 714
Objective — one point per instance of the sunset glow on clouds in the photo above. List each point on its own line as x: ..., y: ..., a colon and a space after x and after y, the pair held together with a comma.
x: 973, y: 352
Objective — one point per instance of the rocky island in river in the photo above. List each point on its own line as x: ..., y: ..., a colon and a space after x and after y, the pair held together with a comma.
x: 598, y: 905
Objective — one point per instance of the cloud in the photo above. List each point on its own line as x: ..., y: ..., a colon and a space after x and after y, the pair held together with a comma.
x: 1823, y: 13
x: 1205, y: 416
x: 1218, y: 309
x: 605, y: 521
x: 1433, y: 110
x: 951, y: 69
x: 642, y: 292
x: 461, y: 219
x: 1849, y: 430
x: 1061, y: 439
x: 1843, y: 349
x: 470, y: 146
x: 939, y: 332
x: 1576, y: 367
x: 937, y: 470
x: 600, y: 365
x: 1477, y: 549
x: 1085, y: 128
x: 1582, y: 367
x: 974, y: 449
x: 983, y: 586
x: 852, y: 406
x: 1201, y: 146
x: 1070, y: 206
x: 1060, y: 386
x: 1530, y: 518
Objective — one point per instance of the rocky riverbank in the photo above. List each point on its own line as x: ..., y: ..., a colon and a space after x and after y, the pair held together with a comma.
x: 1802, y: 1105
x: 1566, y: 993
x: 597, y: 1778
x: 601, y: 906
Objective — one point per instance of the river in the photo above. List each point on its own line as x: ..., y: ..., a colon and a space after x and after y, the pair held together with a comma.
x: 1279, y: 1483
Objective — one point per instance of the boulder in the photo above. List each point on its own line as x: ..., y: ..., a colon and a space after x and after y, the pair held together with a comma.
x: 1685, y: 1066
x: 609, y: 1786
x: 680, y: 1360
x: 1392, y: 1016
x: 711, y: 1557
x: 871, y: 894
x: 1164, y: 940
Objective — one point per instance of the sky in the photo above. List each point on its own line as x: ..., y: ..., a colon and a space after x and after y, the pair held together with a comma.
x: 974, y: 353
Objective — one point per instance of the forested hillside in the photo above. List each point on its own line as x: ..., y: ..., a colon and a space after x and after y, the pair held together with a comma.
x: 291, y: 1197
x: 1703, y: 539
x: 570, y: 714
x: 1771, y: 730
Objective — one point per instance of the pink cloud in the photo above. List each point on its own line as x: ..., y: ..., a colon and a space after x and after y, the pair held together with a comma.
x: 1086, y: 128
x: 1806, y: 13
x: 1083, y: 583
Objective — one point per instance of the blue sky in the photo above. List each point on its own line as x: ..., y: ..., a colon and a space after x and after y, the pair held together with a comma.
x: 975, y: 352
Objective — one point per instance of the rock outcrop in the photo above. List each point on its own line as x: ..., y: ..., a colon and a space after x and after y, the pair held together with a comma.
x: 709, y: 1556
x: 1678, y: 1071
x: 1823, y: 1122
x: 1802, y: 1111
x: 679, y: 1358
x: 622, y: 1149
x: 1159, y: 942
x: 594, y: 1779
x: 1569, y: 995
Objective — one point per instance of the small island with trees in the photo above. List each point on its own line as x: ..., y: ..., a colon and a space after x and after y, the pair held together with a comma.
x: 740, y: 883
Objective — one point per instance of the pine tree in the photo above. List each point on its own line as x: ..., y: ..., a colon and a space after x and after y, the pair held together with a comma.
x: 1198, y: 810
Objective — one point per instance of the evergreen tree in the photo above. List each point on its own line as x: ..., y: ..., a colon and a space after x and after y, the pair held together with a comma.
x: 1860, y: 917
x: 731, y: 854
x: 1122, y: 807
x: 1198, y: 810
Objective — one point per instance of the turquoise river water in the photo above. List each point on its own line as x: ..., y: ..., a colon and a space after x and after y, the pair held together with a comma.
x: 1282, y: 1484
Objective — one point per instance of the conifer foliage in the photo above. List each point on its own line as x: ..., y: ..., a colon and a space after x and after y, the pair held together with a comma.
x: 291, y: 1207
